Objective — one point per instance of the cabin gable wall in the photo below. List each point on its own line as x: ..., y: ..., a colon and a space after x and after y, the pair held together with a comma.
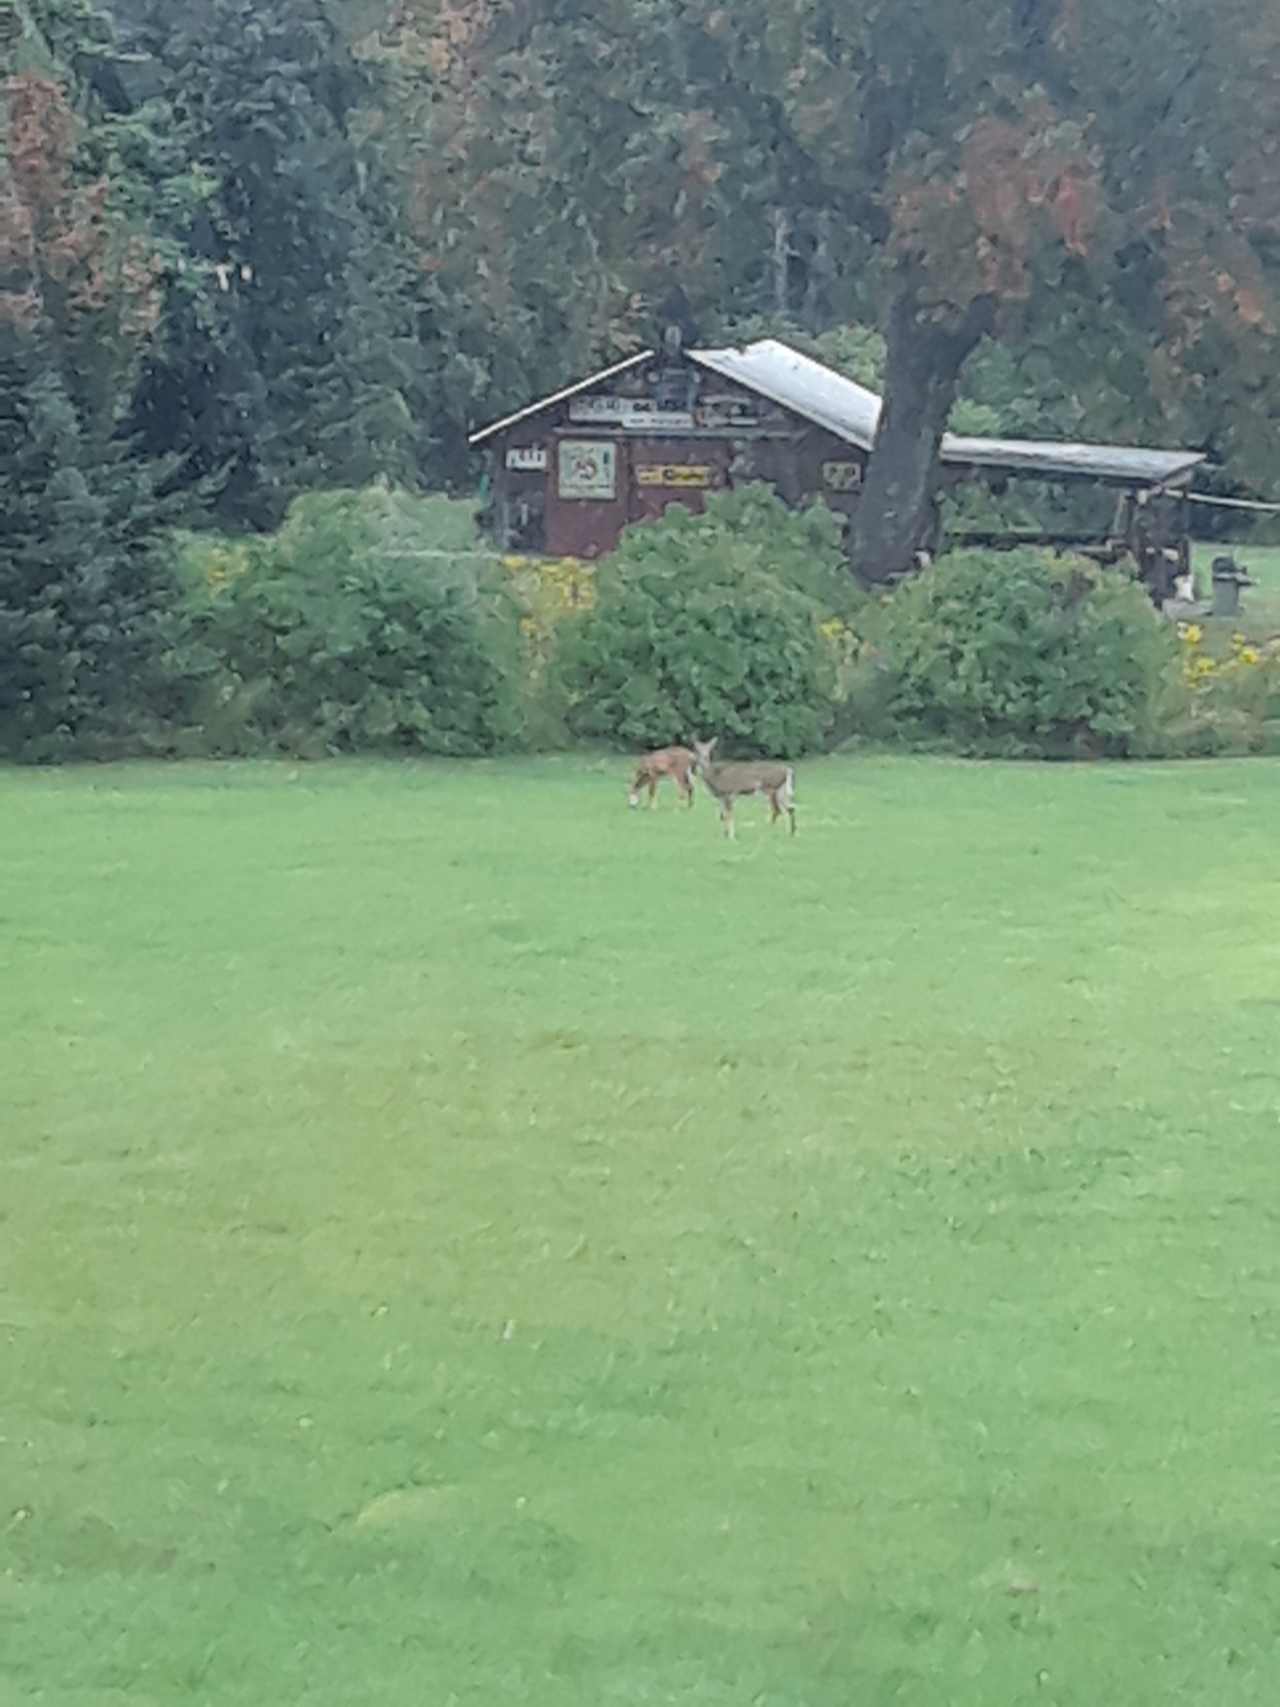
x: 569, y: 479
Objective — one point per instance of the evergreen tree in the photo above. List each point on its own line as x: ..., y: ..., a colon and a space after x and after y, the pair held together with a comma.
x: 80, y: 582
x: 289, y: 359
x: 79, y: 510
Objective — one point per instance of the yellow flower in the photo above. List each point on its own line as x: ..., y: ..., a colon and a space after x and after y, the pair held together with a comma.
x: 1250, y: 655
x: 1192, y: 633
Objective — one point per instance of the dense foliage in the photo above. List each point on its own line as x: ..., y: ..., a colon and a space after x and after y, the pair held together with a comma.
x: 360, y: 625
x: 83, y: 581
x: 704, y: 628
x: 1019, y: 653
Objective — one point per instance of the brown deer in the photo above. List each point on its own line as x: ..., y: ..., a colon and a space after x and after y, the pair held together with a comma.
x: 728, y: 782
x: 675, y: 762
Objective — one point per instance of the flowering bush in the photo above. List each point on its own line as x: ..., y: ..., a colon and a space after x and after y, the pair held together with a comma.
x: 554, y: 586
x: 550, y: 589
x: 1203, y: 670
x: 1230, y: 690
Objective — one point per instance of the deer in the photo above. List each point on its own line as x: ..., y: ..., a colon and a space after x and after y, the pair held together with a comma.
x: 728, y: 782
x: 674, y: 762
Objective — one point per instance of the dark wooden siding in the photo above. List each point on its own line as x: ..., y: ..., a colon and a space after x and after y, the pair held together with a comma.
x: 585, y: 526
x: 667, y: 471
x: 739, y: 439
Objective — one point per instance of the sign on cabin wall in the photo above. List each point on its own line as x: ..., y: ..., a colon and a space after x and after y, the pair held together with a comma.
x: 841, y: 476
x: 726, y: 412
x: 675, y: 474
x: 529, y: 459
x: 633, y: 414
x: 713, y: 419
x: 588, y: 468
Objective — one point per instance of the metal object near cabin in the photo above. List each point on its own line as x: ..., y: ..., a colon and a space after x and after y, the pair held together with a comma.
x: 1229, y: 577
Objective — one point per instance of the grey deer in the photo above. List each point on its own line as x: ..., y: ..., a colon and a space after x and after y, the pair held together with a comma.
x: 729, y: 782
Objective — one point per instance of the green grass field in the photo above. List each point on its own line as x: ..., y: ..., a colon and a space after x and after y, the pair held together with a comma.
x: 463, y: 1242
x: 1260, y: 604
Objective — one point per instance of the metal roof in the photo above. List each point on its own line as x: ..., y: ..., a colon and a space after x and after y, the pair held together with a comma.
x: 818, y: 393
x: 559, y: 396
x: 798, y: 383
x: 849, y: 410
x: 1099, y: 462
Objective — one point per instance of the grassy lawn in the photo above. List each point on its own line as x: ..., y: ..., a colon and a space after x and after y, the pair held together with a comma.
x: 1259, y: 605
x: 463, y: 1242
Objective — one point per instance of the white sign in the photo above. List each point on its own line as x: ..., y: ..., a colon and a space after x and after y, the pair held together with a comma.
x: 632, y: 414
x: 601, y: 408
x: 661, y: 421
x: 530, y: 458
x: 588, y: 469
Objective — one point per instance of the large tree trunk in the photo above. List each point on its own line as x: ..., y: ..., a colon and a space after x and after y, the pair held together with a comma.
x: 897, y: 513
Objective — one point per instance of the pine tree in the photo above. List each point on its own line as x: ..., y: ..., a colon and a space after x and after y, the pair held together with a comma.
x: 79, y: 509
x: 290, y: 326
x: 80, y: 583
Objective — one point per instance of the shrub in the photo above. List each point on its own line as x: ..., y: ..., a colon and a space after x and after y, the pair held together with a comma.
x: 693, y: 632
x: 369, y: 621
x: 801, y: 547
x: 1230, y: 694
x: 1023, y: 654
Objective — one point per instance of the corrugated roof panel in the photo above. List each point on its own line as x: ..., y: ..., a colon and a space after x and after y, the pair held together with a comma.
x: 1036, y: 456
x: 776, y: 371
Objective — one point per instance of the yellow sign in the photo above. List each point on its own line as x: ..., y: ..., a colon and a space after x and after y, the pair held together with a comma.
x: 674, y: 474
x: 841, y: 476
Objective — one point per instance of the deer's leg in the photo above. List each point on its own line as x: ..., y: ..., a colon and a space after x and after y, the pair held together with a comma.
x: 726, y: 817
x: 653, y: 793
x: 633, y: 799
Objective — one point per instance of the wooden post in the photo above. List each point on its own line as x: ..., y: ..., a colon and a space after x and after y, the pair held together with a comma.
x: 1184, y: 531
x: 501, y: 499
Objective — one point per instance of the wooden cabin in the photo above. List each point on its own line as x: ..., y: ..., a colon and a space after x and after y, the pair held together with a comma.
x: 571, y: 471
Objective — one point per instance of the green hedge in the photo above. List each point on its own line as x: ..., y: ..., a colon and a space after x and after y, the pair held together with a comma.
x: 381, y: 621
x: 359, y: 626
x: 699, y: 628
x: 1020, y: 653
